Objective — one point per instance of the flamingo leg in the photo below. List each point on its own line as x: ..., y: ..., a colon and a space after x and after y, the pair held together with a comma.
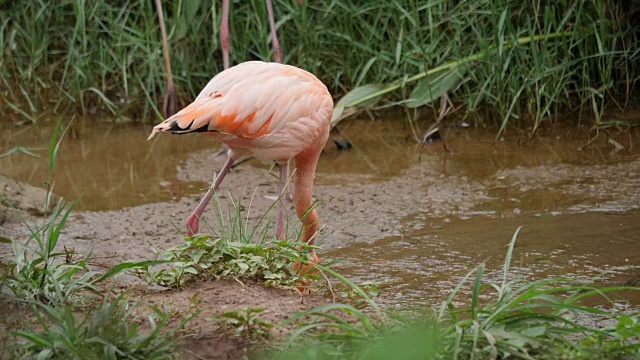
x: 193, y: 221
x: 284, y: 177
x: 225, y: 37
x: 306, y: 163
x: 277, y: 52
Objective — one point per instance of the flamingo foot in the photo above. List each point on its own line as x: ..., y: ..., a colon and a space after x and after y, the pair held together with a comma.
x: 305, y: 269
x: 193, y: 224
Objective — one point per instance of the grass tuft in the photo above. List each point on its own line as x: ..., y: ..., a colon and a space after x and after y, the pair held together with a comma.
x: 236, y: 249
x: 112, y: 330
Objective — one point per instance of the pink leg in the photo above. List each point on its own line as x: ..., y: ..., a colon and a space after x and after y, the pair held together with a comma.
x: 284, y: 177
x: 277, y: 53
x: 193, y: 221
x: 225, y: 38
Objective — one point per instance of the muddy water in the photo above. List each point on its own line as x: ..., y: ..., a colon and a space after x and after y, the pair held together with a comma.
x: 110, y: 166
x: 422, y: 266
x: 417, y: 217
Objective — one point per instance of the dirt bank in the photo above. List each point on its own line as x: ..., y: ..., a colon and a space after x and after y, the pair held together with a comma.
x: 19, y: 200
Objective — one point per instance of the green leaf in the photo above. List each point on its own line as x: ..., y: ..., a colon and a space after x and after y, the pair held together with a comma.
x: 243, y: 267
x: 534, y: 331
x: 355, y: 98
x: 18, y: 149
x: 34, y: 338
x: 433, y: 86
x: 45, y: 354
x: 5, y: 240
x: 116, y: 270
x: 625, y: 320
x: 191, y: 7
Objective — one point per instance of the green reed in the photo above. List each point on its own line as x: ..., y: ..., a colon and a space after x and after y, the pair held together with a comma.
x: 95, y: 56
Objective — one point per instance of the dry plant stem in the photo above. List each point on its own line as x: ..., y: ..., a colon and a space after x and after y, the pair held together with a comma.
x: 284, y: 178
x: 277, y: 52
x: 169, y: 101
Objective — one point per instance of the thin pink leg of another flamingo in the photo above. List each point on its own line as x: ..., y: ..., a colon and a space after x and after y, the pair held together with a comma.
x: 225, y: 37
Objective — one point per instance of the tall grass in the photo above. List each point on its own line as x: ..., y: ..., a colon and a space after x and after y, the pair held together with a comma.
x: 90, y: 55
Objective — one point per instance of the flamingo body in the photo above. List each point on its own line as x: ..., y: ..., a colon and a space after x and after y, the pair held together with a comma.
x: 274, y: 111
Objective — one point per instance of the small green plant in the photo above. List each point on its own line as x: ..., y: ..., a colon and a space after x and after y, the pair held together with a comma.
x: 236, y: 250
x: 618, y: 341
x: 202, y: 257
x: 344, y: 293
x: 45, y: 274
x: 245, y: 322
x: 111, y: 330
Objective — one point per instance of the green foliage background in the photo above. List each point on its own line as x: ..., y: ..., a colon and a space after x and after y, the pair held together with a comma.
x: 94, y: 56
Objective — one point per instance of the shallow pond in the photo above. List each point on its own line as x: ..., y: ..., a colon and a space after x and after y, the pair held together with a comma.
x: 417, y: 217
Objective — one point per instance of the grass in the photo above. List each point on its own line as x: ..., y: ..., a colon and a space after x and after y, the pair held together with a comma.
x: 503, y: 62
x: 111, y: 330
x: 245, y: 322
x: 235, y: 249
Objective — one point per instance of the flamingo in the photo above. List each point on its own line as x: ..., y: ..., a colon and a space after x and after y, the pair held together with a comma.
x: 273, y: 111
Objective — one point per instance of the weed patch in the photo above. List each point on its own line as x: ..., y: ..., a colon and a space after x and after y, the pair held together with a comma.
x: 234, y: 250
x: 111, y: 330
x: 245, y: 322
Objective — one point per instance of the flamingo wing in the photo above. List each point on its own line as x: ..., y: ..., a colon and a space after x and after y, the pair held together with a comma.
x: 251, y: 100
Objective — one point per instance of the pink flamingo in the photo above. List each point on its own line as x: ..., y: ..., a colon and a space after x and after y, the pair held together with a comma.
x: 274, y: 111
